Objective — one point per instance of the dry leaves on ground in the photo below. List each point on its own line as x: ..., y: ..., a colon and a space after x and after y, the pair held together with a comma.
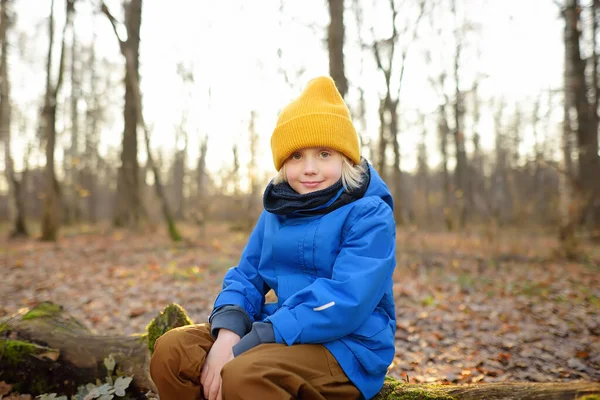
x: 469, y: 309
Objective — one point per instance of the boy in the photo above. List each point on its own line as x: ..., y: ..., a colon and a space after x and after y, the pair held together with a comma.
x: 325, y: 244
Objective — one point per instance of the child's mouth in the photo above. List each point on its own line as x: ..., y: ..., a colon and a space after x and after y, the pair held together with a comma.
x: 311, y: 184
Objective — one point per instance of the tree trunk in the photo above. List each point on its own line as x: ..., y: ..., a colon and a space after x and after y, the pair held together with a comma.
x: 382, y: 143
x: 568, y: 104
x: 91, y: 164
x: 393, y: 130
x: 72, y: 200
x: 19, y: 227
x: 422, y: 173
x: 131, y: 63
x: 51, y: 213
x: 444, y: 132
x: 253, y: 207
x: 201, y: 210
x: 158, y: 187
x: 127, y: 211
x: 460, y: 170
x: 50, y: 351
x: 587, y: 135
x: 335, y: 43
x: 235, y: 172
x: 390, y: 105
x: 178, y: 172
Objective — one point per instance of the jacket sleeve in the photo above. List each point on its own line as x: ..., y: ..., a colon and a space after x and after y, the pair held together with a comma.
x: 242, y: 285
x: 329, y: 309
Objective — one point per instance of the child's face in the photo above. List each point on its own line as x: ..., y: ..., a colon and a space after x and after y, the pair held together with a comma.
x: 314, y: 168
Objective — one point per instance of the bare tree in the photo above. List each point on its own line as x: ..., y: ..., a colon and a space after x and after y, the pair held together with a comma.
x: 253, y: 195
x: 128, y: 204
x: 91, y: 160
x: 443, y: 128
x: 178, y: 175
x: 587, y: 115
x: 181, y: 138
x: 73, y: 158
x: 335, y: 44
x: 235, y: 171
x: 500, y: 191
x: 443, y: 133
x: 477, y: 189
x: 131, y: 61
x: 423, y: 171
x: 201, y: 184
x: 390, y: 103
x: 360, y: 115
x: 51, y: 215
x: 15, y: 188
x: 460, y: 171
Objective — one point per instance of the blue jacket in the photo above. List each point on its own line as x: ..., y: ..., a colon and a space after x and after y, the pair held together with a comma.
x: 332, y: 274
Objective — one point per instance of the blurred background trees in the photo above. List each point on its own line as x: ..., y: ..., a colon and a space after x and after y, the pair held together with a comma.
x: 457, y: 150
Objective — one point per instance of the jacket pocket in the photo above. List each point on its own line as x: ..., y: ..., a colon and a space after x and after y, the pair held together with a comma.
x: 374, y: 343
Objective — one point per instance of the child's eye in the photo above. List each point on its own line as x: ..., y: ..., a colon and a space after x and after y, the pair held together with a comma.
x: 296, y: 156
x: 325, y: 154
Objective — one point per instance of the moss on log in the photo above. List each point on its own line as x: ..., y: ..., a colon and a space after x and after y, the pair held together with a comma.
x: 171, y: 317
x: 47, y: 350
x: 395, y: 390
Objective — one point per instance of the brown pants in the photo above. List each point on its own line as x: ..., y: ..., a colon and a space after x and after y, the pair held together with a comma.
x: 268, y: 371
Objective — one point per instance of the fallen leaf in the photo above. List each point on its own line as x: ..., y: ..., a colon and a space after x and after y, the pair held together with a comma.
x: 51, y: 355
x: 136, y: 312
x: 5, y: 388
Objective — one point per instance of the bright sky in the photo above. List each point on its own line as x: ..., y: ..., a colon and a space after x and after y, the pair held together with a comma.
x: 232, y: 48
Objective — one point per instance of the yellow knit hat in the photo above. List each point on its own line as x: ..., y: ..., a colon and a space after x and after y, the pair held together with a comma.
x: 317, y: 118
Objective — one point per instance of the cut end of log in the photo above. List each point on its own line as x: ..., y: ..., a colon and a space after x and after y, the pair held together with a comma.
x: 17, y: 356
x: 172, y: 316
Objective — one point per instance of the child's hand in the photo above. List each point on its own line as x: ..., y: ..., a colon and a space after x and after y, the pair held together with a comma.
x: 220, y: 354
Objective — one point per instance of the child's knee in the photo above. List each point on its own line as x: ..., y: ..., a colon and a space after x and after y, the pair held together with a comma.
x: 163, y: 352
x: 165, y: 342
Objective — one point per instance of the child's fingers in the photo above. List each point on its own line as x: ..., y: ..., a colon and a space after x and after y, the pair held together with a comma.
x: 214, y: 388
x: 219, y: 395
x: 203, y: 374
x: 207, y: 385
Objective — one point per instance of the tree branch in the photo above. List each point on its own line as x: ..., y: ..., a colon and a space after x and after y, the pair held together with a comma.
x: 413, y: 38
x: 113, y: 21
x: 61, y: 64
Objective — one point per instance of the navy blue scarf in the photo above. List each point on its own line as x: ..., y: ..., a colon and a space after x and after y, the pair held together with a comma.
x: 281, y: 199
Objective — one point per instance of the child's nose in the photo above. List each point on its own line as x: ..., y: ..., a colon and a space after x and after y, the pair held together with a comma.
x: 310, y: 166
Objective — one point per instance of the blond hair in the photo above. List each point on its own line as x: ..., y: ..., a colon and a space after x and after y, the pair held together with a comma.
x: 352, y: 174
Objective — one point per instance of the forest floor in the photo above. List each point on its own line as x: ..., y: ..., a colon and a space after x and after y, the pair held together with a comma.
x: 470, y: 307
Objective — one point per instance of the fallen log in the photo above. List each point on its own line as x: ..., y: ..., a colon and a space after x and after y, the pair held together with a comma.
x: 46, y: 350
